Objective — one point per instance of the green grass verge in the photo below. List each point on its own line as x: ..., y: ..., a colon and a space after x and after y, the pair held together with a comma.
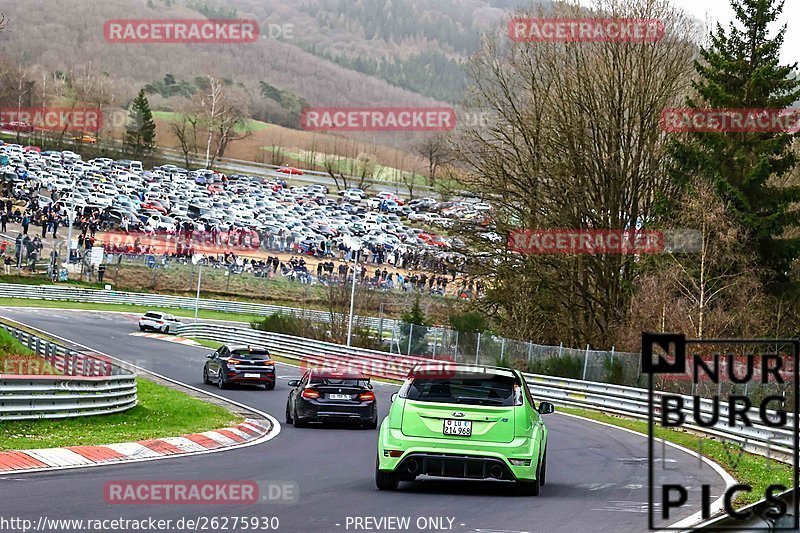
x: 208, y: 344
x: 17, y: 359
x: 754, y: 470
x: 161, y: 412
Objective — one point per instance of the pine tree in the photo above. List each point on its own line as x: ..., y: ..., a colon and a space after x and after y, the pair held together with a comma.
x: 140, y: 133
x: 740, y: 68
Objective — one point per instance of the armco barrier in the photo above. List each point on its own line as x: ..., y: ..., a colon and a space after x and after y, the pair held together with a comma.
x: 66, y: 383
x: 604, y: 397
x: 75, y: 294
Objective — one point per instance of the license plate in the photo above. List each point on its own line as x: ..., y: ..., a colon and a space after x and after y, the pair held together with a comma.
x: 339, y: 396
x: 462, y: 428
x: 252, y: 375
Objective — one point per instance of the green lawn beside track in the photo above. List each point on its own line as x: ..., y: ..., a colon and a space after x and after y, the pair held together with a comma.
x: 161, y: 412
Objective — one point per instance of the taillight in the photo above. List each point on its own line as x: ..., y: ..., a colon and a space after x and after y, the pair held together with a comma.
x: 367, y: 396
x: 309, y: 394
x: 269, y: 363
x: 233, y: 362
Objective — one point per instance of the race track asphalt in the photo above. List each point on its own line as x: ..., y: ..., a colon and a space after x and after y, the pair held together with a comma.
x: 597, y: 475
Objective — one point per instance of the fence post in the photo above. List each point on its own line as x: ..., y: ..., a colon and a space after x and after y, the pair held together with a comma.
x: 391, y: 342
x: 434, y: 344
x: 585, y: 361
x: 380, y: 324
x: 478, y: 349
x: 410, y: 336
x: 455, y: 352
x: 560, y: 349
x: 612, y: 354
x: 503, y: 349
x: 530, y: 350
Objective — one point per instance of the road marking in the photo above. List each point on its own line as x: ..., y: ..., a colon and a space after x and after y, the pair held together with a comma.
x: 163, y: 337
x: 133, y: 449
x: 58, y: 457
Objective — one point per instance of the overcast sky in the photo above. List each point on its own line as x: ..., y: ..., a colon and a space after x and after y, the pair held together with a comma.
x: 714, y: 11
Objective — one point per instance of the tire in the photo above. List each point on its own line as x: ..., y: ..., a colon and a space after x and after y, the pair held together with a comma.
x: 528, y: 488
x: 221, y: 381
x: 543, y: 469
x: 166, y: 330
x: 288, y: 415
x: 531, y: 488
x: 141, y: 328
x: 269, y: 385
x: 206, y: 381
x: 372, y: 424
x: 386, y: 480
x: 299, y: 422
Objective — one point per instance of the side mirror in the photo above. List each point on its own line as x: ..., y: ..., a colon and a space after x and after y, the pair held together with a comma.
x: 545, y: 408
x: 393, y: 397
x: 209, y: 356
x: 293, y: 382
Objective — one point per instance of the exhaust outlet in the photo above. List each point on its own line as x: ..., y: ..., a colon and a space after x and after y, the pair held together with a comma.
x: 496, y: 472
x: 412, y: 466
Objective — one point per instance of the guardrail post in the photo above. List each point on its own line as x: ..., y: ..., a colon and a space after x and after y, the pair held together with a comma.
x: 380, y: 324
x: 478, y: 349
x: 38, y: 345
x: 585, y: 362
x: 410, y: 336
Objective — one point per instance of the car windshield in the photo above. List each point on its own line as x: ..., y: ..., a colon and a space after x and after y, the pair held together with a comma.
x: 152, y: 315
x: 486, y: 389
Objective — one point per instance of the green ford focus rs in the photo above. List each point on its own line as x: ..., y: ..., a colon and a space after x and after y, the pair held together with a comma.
x: 463, y: 421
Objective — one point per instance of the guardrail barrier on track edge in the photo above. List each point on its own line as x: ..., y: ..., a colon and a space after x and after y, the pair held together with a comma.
x: 76, y: 383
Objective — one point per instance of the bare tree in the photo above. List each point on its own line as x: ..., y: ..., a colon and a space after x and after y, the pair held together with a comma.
x: 574, y: 141
x: 712, y: 291
x: 223, y: 118
x: 3, y: 22
x: 436, y: 150
x: 185, y: 130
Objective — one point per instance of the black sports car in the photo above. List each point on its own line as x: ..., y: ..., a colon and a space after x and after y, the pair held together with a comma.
x: 332, y: 395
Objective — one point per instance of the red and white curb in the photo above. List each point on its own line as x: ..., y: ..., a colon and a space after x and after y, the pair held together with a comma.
x: 82, y: 456
x: 165, y: 337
